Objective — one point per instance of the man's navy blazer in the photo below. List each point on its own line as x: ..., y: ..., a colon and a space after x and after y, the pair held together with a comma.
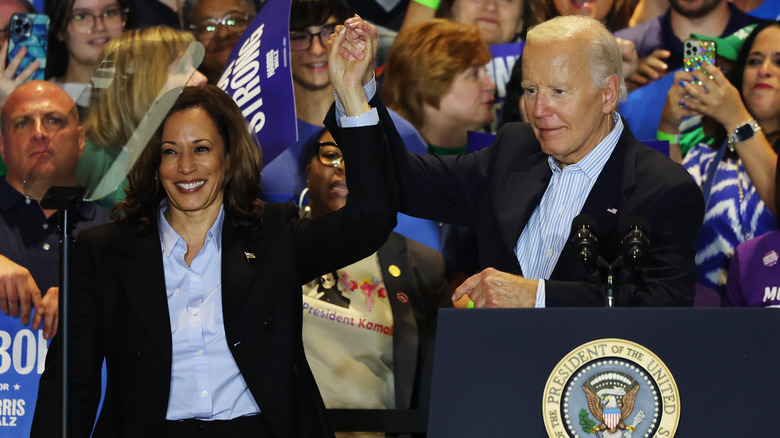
x: 496, y: 190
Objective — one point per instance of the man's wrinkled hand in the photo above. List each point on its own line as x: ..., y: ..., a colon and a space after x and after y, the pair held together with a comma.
x: 493, y: 288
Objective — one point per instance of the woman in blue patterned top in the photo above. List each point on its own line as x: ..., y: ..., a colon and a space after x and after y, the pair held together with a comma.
x: 737, y: 177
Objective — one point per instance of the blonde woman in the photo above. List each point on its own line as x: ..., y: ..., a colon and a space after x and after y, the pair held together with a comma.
x: 141, y: 61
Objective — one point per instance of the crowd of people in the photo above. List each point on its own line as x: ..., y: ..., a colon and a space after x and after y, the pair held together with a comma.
x: 223, y: 293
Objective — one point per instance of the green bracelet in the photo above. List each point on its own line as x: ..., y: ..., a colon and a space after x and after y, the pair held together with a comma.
x: 433, y: 4
x: 671, y: 138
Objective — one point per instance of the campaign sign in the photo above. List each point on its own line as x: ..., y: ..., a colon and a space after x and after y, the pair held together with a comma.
x: 257, y: 76
x: 22, y: 357
x: 500, y: 67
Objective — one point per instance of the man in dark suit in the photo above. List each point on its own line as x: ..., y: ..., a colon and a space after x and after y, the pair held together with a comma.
x: 521, y: 194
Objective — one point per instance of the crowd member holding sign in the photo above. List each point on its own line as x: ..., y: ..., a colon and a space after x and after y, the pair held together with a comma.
x: 521, y: 194
x: 208, y: 340
x: 369, y: 328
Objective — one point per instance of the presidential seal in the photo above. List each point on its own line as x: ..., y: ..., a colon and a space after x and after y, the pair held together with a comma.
x: 611, y: 388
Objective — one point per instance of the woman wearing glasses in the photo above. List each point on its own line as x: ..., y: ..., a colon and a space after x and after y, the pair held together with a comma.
x: 79, y: 30
x: 402, y: 286
x: 217, y: 24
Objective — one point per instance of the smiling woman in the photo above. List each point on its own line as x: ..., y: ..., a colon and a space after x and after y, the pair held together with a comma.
x: 199, y: 282
x: 79, y: 30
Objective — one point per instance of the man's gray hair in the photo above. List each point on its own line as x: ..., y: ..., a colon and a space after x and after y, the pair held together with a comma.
x: 605, y: 57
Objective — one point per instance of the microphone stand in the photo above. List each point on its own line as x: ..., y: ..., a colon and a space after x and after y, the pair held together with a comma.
x: 65, y: 200
x: 610, y: 286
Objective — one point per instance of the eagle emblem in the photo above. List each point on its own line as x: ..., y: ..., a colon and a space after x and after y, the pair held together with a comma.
x: 611, y: 397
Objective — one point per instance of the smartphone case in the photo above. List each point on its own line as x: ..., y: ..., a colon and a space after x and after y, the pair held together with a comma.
x: 30, y: 31
x: 698, y: 52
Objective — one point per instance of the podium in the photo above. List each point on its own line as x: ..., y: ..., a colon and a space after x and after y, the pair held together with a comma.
x: 492, y: 366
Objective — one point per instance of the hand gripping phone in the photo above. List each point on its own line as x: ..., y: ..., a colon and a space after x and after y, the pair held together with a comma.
x: 30, y: 31
x: 697, y: 52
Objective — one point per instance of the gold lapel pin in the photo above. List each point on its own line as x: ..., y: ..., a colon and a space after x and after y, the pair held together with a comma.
x: 249, y: 256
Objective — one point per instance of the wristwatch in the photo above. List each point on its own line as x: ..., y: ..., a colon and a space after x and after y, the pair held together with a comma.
x: 743, y: 132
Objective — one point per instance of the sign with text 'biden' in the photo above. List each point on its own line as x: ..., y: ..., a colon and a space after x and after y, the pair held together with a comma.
x: 257, y: 76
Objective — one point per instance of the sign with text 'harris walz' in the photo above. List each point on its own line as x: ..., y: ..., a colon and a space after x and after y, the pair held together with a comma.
x: 257, y: 75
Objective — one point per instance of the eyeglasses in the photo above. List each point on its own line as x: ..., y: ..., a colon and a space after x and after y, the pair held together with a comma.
x: 301, y: 40
x: 113, y: 17
x: 234, y: 22
x: 329, y: 154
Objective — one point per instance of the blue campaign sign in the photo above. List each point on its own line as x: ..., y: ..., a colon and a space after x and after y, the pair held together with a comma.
x: 22, y: 357
x: 257, y: 76
x: 500, y: 67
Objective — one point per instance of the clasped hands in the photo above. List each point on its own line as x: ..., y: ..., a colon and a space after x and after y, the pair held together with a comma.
x: 352, y: 51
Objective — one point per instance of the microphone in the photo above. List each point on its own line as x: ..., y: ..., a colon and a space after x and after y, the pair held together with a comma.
x: 584, y: 243
x: 635, y: 242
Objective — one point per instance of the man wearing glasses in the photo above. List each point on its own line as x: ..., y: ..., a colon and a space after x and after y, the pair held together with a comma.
x: 218, y: 25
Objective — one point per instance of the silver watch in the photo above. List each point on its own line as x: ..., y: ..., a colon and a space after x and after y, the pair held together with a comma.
x: 744, y: 132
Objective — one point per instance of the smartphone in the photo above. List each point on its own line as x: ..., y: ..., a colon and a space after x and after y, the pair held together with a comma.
x: 30, y: 31
x: 698, y: 52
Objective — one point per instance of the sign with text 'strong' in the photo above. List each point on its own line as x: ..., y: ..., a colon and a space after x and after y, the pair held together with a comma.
x: 257, y: 76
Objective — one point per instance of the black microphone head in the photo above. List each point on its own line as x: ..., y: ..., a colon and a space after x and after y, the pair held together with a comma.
x: 583, y: 241
x: 639, y: 222
x: 583, y: 220
x: 635, y: 241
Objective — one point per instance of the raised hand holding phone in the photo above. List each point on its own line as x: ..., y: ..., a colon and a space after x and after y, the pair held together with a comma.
x: 30, y: 32
x: 9, y: 79
x: 17, y: 64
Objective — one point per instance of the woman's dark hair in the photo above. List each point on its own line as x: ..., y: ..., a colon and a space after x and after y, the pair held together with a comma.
x: 243, y: 163
x: 510, y: 111
x: 59, y: 16
x: 736, y: 76
x: 307, y: 13
x: 737, y: 71
x: 616, y: 19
